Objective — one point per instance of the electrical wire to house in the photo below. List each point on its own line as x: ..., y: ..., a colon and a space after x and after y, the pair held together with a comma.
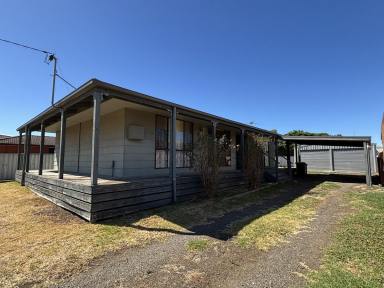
x: 49, y: 57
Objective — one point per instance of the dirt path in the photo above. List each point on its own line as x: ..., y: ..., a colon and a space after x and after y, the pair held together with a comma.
x: 224, y: 264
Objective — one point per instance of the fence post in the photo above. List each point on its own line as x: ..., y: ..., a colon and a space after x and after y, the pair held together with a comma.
x: 19, y: 149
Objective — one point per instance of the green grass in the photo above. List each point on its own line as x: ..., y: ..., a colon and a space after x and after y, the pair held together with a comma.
x: 356, y: 255
x: 197, y: 245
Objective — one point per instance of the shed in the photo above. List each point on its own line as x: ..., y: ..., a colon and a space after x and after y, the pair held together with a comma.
x: 363, y: 142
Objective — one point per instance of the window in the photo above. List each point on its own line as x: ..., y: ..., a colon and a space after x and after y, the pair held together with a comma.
x: 161, y: 142
x: 184, y: 144
x: 224, y: 141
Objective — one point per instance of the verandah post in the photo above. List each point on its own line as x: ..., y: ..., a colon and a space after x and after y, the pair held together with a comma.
x: 41, y: 155
x: 173, y: 153
x: 214, y: 127
x: 289, y: 165
x: 28, y: 149
x: 63, y: 126
x: 22, y: 182
x: 97, y: 98
x: 368, y: 175
x: 242, y: 149
x: 277, y: 159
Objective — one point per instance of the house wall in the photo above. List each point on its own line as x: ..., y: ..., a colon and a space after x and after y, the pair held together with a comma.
x: 78, y: 146
x: 132, y: 158
x: 139, y: 155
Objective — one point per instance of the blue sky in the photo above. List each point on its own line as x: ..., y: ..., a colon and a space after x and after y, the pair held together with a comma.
x: 311, y: 65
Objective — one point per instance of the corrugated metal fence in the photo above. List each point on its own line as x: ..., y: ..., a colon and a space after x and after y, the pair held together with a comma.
x: 344, y: 159
x: 8, y: 164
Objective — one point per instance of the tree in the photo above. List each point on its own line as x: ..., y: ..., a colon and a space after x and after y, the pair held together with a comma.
x: 209, y: 154
x: 282, y: 147
x: 305, y: 133
x: 254, y: 159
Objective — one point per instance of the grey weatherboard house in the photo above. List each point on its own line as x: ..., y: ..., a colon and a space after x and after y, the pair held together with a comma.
x: 119, y: 151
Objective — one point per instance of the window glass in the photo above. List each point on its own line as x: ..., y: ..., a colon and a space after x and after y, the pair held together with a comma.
x: 184, y: 144
x: 188, y: 136
x: 179, y: 135
x: 161, y: 142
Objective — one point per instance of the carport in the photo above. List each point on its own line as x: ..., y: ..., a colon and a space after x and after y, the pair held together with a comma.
x: 335, y: 141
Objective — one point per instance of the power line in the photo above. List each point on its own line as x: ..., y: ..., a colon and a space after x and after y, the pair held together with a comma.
x: 25, y: 46
x: 42, y: 51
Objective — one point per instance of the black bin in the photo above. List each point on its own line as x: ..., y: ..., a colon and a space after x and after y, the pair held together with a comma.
x: 301, y: 168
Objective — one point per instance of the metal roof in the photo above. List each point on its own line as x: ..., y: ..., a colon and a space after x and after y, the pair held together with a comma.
x: 95, y: 84
x: 355, y: 141
x: 35, y: 140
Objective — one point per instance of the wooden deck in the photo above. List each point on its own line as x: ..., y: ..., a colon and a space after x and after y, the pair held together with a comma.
x: 113, y: 197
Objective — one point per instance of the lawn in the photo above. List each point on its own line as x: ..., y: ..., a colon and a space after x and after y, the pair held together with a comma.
x: 356, y: 255
x: 41, y: 243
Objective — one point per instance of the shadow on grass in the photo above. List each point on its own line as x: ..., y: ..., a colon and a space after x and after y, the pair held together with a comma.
x: 212, y: 217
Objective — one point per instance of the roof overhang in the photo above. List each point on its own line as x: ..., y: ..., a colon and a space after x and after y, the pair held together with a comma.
x: 352, y: 141
x: 80, y: 99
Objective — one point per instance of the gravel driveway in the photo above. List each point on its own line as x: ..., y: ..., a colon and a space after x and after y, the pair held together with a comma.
x: 224, y: 264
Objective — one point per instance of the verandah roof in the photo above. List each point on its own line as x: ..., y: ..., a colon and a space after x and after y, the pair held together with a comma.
x: 79, y: 100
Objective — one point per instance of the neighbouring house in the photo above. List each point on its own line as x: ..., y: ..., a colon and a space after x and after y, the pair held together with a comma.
x: 120, y: 151
x: 9, y: 148
x: 9, y: 144
x: 380, y: 157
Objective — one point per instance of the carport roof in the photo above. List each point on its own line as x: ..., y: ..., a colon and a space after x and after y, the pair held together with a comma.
x: 354, y: 141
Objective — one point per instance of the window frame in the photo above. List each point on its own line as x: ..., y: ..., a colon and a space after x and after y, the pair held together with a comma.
x: 167, y: 145
x: 184, y: 150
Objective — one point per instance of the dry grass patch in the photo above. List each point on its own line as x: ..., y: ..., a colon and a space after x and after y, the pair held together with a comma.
x: 40, y: 242
x: 272, y: 228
